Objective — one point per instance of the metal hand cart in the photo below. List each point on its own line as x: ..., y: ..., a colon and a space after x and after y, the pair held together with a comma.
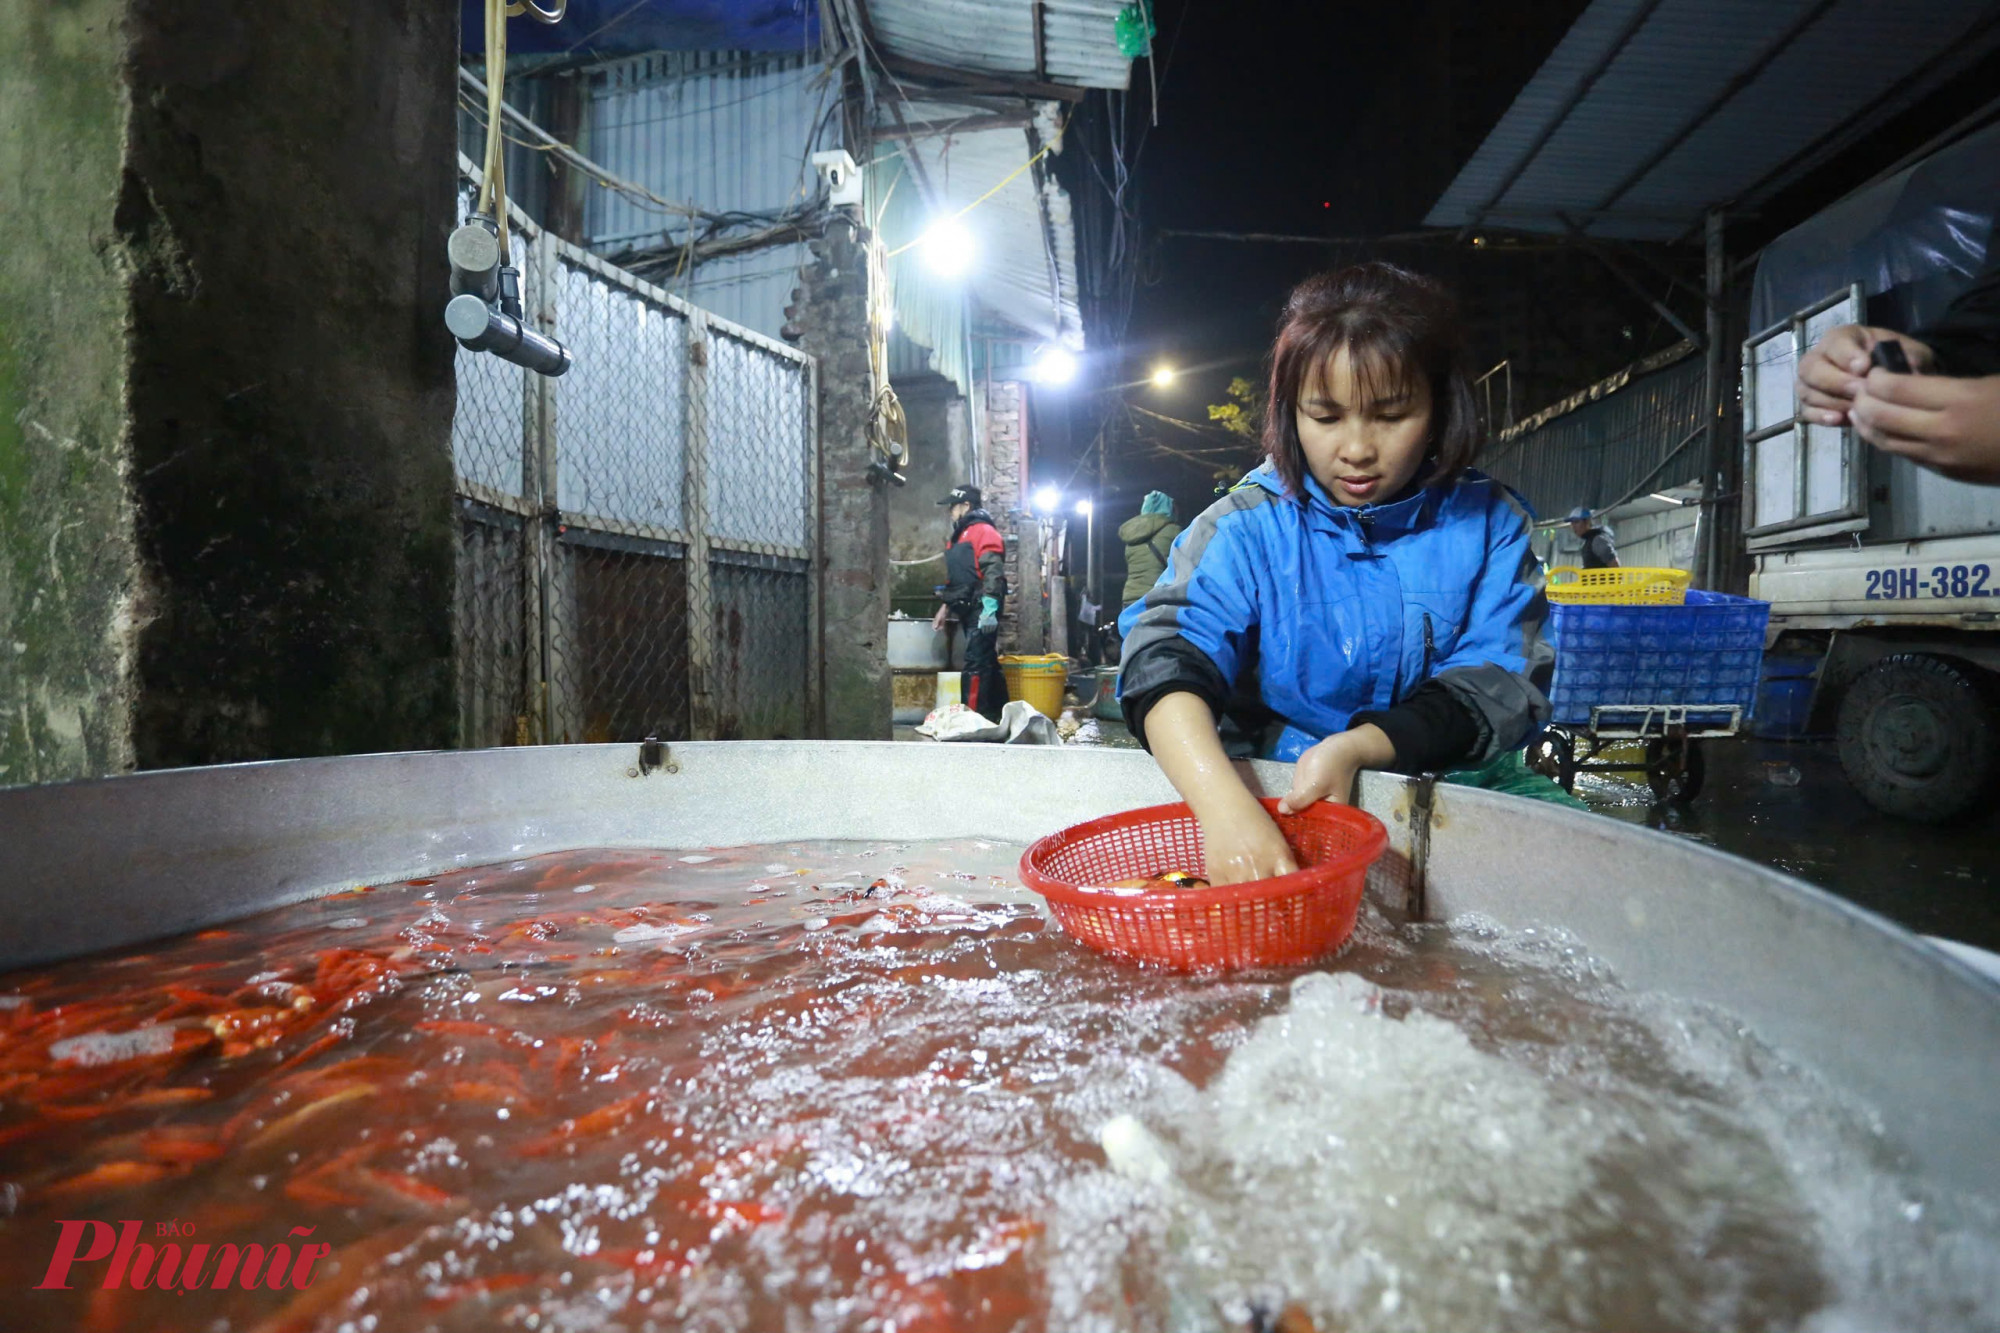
x: 1673, y: 764
x: 1667, y: 677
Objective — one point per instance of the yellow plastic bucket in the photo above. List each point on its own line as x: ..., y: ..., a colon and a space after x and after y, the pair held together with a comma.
x: 1038, y: 679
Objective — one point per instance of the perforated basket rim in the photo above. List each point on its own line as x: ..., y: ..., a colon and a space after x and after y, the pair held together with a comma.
x: 1372, y: 841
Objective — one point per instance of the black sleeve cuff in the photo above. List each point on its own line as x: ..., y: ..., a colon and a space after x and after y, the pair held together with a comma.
x: 1431, y: 730
x: 1168, y: 666
x: 1966, y: 338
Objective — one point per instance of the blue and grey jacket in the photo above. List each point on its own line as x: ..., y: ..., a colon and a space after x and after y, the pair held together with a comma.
x: 1423, y: 616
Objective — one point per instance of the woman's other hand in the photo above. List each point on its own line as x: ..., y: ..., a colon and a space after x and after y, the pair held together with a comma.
x: 1326, y: 772
x: 1835, y: 370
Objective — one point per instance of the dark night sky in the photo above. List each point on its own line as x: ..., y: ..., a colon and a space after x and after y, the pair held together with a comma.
x: 1323, y: 120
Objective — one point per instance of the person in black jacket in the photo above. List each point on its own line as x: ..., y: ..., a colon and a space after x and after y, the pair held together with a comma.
x: 975, y: 563
x: 1946, y: 416
x: 1598, y: 552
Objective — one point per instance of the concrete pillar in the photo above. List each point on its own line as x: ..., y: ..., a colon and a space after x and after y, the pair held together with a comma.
x: 1002, y: 456
x: 69, y: 591
x: 225, y: 390
x: 830, y: 315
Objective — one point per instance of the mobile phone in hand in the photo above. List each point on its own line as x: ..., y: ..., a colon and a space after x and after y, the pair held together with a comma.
x: 1889, y: 355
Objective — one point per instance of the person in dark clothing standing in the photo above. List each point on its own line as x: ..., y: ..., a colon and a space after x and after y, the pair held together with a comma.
x: 975, y: 564
x: 1946, y: 415
x: 1598, y: 552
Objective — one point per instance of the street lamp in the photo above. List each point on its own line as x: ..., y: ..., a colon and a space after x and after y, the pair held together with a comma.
x: 1047, y: 500
x: 1163, y: 376
x: 1089, y: 512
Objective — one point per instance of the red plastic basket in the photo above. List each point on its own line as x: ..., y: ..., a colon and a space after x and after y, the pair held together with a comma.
x: 1290, y: 919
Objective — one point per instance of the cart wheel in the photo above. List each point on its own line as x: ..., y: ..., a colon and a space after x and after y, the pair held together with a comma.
x: 1553, y: 755
x: 1675, y: 771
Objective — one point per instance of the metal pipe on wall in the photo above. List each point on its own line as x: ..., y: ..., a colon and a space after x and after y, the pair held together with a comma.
x: 1709, y: 557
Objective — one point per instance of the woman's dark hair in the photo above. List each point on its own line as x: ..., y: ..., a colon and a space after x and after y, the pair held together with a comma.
x: 1396, y: 325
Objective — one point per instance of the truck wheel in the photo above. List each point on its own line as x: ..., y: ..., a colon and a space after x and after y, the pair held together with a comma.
x: 1917, y: 736
x: 1675, y: 777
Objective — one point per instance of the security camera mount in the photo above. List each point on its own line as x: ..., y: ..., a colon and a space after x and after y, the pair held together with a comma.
x: 485, y: 313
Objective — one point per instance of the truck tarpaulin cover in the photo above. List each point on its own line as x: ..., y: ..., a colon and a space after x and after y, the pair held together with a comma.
x: 1912, y: 241
x: 624, y: 27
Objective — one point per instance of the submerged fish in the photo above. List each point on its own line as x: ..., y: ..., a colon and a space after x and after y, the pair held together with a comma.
x: 1171, y: 879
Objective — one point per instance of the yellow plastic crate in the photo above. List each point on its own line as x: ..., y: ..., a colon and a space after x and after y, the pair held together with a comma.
x: 1635, y: 586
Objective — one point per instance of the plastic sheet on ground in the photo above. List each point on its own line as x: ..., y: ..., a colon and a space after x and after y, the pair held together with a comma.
x: 1019, y: 724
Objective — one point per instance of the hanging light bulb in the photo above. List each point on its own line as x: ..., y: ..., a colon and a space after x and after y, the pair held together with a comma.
x: 947, y: 247
x: 1053, y: 367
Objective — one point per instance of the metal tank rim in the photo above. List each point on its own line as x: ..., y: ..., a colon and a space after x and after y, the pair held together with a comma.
x: 1875, y: 1011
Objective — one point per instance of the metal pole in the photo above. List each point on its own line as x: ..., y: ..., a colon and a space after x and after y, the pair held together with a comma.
x: 1708, y: 559
x: 1090, y: 556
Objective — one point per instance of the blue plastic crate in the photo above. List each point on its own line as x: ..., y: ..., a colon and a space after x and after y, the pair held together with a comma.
x: 1708, y: 651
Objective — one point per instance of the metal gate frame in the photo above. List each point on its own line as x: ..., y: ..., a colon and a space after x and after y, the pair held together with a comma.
x: 546, y: 701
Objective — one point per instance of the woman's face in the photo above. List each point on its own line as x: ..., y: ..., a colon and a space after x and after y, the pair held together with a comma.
x: 1362, y: 452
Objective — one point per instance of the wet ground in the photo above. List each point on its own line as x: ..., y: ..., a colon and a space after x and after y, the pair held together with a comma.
x: 1786, y: 804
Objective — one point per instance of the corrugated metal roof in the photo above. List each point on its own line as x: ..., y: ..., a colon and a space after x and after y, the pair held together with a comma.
x: 705, y: 128
x: 1649, y: 112
x: 724, y: 133
x: 1079, y: 42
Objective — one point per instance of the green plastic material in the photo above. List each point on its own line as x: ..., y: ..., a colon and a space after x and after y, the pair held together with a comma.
x: 1135, y: 28
x: 1511, y: 774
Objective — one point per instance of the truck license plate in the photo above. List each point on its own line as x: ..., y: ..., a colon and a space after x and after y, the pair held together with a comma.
x: 1915, y: 581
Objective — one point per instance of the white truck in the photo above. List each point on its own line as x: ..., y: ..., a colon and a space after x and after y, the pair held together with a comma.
x: 1886, y: 572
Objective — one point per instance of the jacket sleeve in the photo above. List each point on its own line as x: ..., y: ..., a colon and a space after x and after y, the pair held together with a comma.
x: 1191, y: 631
x: 1500, y: 667
x: 1966, y: 338
x: 993, y: 574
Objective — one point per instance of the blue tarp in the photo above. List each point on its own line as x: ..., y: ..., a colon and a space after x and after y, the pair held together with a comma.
x: 625, y: 27
x: 1912, y: 241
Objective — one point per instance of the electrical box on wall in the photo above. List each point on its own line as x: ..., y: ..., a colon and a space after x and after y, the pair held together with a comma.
x: 842, y: 177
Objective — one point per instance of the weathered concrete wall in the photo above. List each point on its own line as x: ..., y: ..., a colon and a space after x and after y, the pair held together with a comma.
x: 1002, y: 454
x: 830, y: 314
x: 67, y: 586
x: 286, y: 196
x: 940, y: 458
x: 225, y: 391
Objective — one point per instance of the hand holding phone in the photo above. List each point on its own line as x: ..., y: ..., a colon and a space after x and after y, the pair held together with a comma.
x: 1889, y: 355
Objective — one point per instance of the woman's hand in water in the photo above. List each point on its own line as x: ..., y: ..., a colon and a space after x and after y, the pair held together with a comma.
x: 1240, y: 843
x: 1326, y: 772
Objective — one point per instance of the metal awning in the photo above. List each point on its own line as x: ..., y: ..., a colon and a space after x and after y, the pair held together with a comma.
x: 1072, y: 43
x: 1025, y: 272
x: 1651, y: 112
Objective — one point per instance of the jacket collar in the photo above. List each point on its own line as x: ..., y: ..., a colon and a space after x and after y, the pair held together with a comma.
x: 976, y: 516
x: 1412, y: 510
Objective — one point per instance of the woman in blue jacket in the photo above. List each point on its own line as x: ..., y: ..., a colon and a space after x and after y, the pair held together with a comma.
x: 1378, y: 594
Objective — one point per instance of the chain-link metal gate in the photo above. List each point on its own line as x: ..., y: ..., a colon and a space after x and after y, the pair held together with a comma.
x: 635, y: 538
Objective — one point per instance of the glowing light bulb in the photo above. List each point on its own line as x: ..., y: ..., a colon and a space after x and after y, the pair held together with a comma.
x: 947, y: 247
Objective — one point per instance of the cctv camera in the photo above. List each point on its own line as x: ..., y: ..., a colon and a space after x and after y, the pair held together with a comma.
x: 842, y: 177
